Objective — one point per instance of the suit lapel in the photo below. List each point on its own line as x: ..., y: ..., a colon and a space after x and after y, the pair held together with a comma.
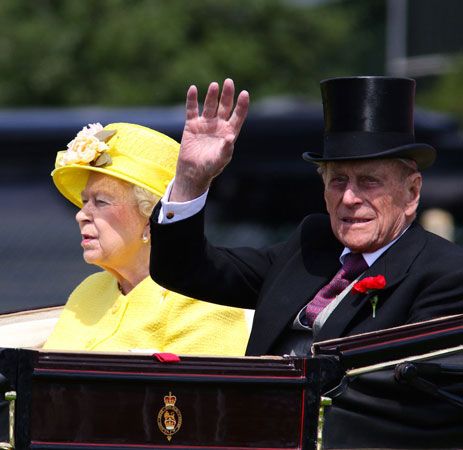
x: 394, y: 264
x: 303, y: 275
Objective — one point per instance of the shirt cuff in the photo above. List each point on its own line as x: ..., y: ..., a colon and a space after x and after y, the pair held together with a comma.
x: 174, y: 211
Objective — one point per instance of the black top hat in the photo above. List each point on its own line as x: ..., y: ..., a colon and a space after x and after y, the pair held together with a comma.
x: 370, y: 118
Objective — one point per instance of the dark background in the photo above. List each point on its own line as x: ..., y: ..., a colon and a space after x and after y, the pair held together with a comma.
x: 64, y: 64
x: 258, y: 199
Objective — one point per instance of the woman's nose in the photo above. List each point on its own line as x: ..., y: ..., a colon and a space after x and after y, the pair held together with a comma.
x: 83, y: 213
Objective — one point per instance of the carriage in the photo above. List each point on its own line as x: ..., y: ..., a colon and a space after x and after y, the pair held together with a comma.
x: 395, y: 388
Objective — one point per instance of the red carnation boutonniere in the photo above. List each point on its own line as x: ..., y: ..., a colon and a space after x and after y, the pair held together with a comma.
x: 369, y: 284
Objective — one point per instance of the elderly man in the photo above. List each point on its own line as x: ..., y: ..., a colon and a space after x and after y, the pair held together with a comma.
x: 307, y: 288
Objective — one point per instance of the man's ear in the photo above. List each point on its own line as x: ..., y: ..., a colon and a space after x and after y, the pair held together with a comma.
x: 414, y: 183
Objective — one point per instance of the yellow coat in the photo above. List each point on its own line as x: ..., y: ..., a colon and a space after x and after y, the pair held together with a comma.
x: 99, y: 317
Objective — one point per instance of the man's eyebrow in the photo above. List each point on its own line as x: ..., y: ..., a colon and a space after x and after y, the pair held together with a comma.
x: 337, y: 172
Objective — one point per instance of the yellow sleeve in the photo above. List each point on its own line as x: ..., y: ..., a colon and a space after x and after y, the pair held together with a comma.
x: 201, y: 328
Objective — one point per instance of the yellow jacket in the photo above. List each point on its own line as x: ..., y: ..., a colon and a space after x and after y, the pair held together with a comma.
x: 99, y: 317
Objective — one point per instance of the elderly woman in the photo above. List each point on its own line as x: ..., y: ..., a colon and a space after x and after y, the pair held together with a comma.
x: 116, y: 175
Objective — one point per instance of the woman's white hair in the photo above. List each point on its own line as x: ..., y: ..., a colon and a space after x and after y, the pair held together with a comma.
x: 146, y: 200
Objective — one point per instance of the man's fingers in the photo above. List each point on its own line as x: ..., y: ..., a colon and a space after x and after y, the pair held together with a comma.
x: 240, y: 112
x: 192, y: 103
x: 226, y: 99
x: 228, y: 147
x: 210, y: 103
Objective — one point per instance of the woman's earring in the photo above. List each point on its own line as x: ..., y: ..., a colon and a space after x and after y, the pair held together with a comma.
x: 145, y: 238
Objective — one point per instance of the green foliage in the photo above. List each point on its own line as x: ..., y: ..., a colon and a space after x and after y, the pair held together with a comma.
x: 445, y: 92
x: 146, y: 52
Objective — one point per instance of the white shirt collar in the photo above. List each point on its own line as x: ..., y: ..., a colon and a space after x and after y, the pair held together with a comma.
x: 370, y: 258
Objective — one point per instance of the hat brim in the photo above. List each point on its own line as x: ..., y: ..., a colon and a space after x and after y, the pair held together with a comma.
x: 71, y: 180
x: 423, y: 154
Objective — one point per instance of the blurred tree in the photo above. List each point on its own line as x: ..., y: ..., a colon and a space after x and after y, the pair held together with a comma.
x: 445, y: 91
x: 145, y: 52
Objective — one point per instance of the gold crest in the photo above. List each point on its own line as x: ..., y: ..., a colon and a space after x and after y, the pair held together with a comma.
x: 169, y: 417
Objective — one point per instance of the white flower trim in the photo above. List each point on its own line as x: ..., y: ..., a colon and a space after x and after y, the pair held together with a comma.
x: 85, y: 148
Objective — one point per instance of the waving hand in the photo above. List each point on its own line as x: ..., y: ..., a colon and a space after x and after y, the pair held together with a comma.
x: 208, y: 138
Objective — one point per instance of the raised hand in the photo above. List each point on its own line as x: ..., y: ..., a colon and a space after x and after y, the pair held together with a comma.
x: 208, y: 138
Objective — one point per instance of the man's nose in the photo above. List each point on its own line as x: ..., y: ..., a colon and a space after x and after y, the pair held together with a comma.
x: 351, y: 196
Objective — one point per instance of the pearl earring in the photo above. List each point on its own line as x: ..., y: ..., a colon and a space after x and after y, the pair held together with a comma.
x: 145, y: 238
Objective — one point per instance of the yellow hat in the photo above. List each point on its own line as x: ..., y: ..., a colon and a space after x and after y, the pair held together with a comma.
x: 130, y: 152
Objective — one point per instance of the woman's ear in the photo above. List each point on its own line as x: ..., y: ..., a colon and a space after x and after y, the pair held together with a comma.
x: 146, y: 236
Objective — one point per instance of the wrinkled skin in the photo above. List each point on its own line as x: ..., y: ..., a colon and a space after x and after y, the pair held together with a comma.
x: 112, y: 229
x: 370, y: 202
x: 208, y: 138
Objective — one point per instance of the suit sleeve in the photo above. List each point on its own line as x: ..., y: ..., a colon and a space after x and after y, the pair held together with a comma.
x: 438, y: 280
x: 442, y: 297
x: 182, y: 260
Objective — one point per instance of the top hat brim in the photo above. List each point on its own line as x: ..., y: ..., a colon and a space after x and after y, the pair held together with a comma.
x: 423, y: 154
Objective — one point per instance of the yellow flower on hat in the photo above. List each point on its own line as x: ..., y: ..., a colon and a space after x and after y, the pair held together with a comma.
x: 85, y: 147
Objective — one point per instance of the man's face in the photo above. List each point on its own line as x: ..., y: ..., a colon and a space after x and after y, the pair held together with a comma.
x: 370, y: 202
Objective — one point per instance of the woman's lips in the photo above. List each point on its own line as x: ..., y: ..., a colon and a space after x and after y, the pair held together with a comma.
x: 87, y: 239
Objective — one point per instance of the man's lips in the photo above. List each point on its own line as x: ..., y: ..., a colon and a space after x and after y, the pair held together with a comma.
x: 354, y: 220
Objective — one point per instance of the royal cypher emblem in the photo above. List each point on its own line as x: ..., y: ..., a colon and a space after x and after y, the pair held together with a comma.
x: 169, y: 417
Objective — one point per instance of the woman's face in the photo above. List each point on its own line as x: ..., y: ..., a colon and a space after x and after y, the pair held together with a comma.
x: 110, y: 223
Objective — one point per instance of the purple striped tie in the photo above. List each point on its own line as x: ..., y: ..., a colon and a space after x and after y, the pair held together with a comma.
x: 353, y: 266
